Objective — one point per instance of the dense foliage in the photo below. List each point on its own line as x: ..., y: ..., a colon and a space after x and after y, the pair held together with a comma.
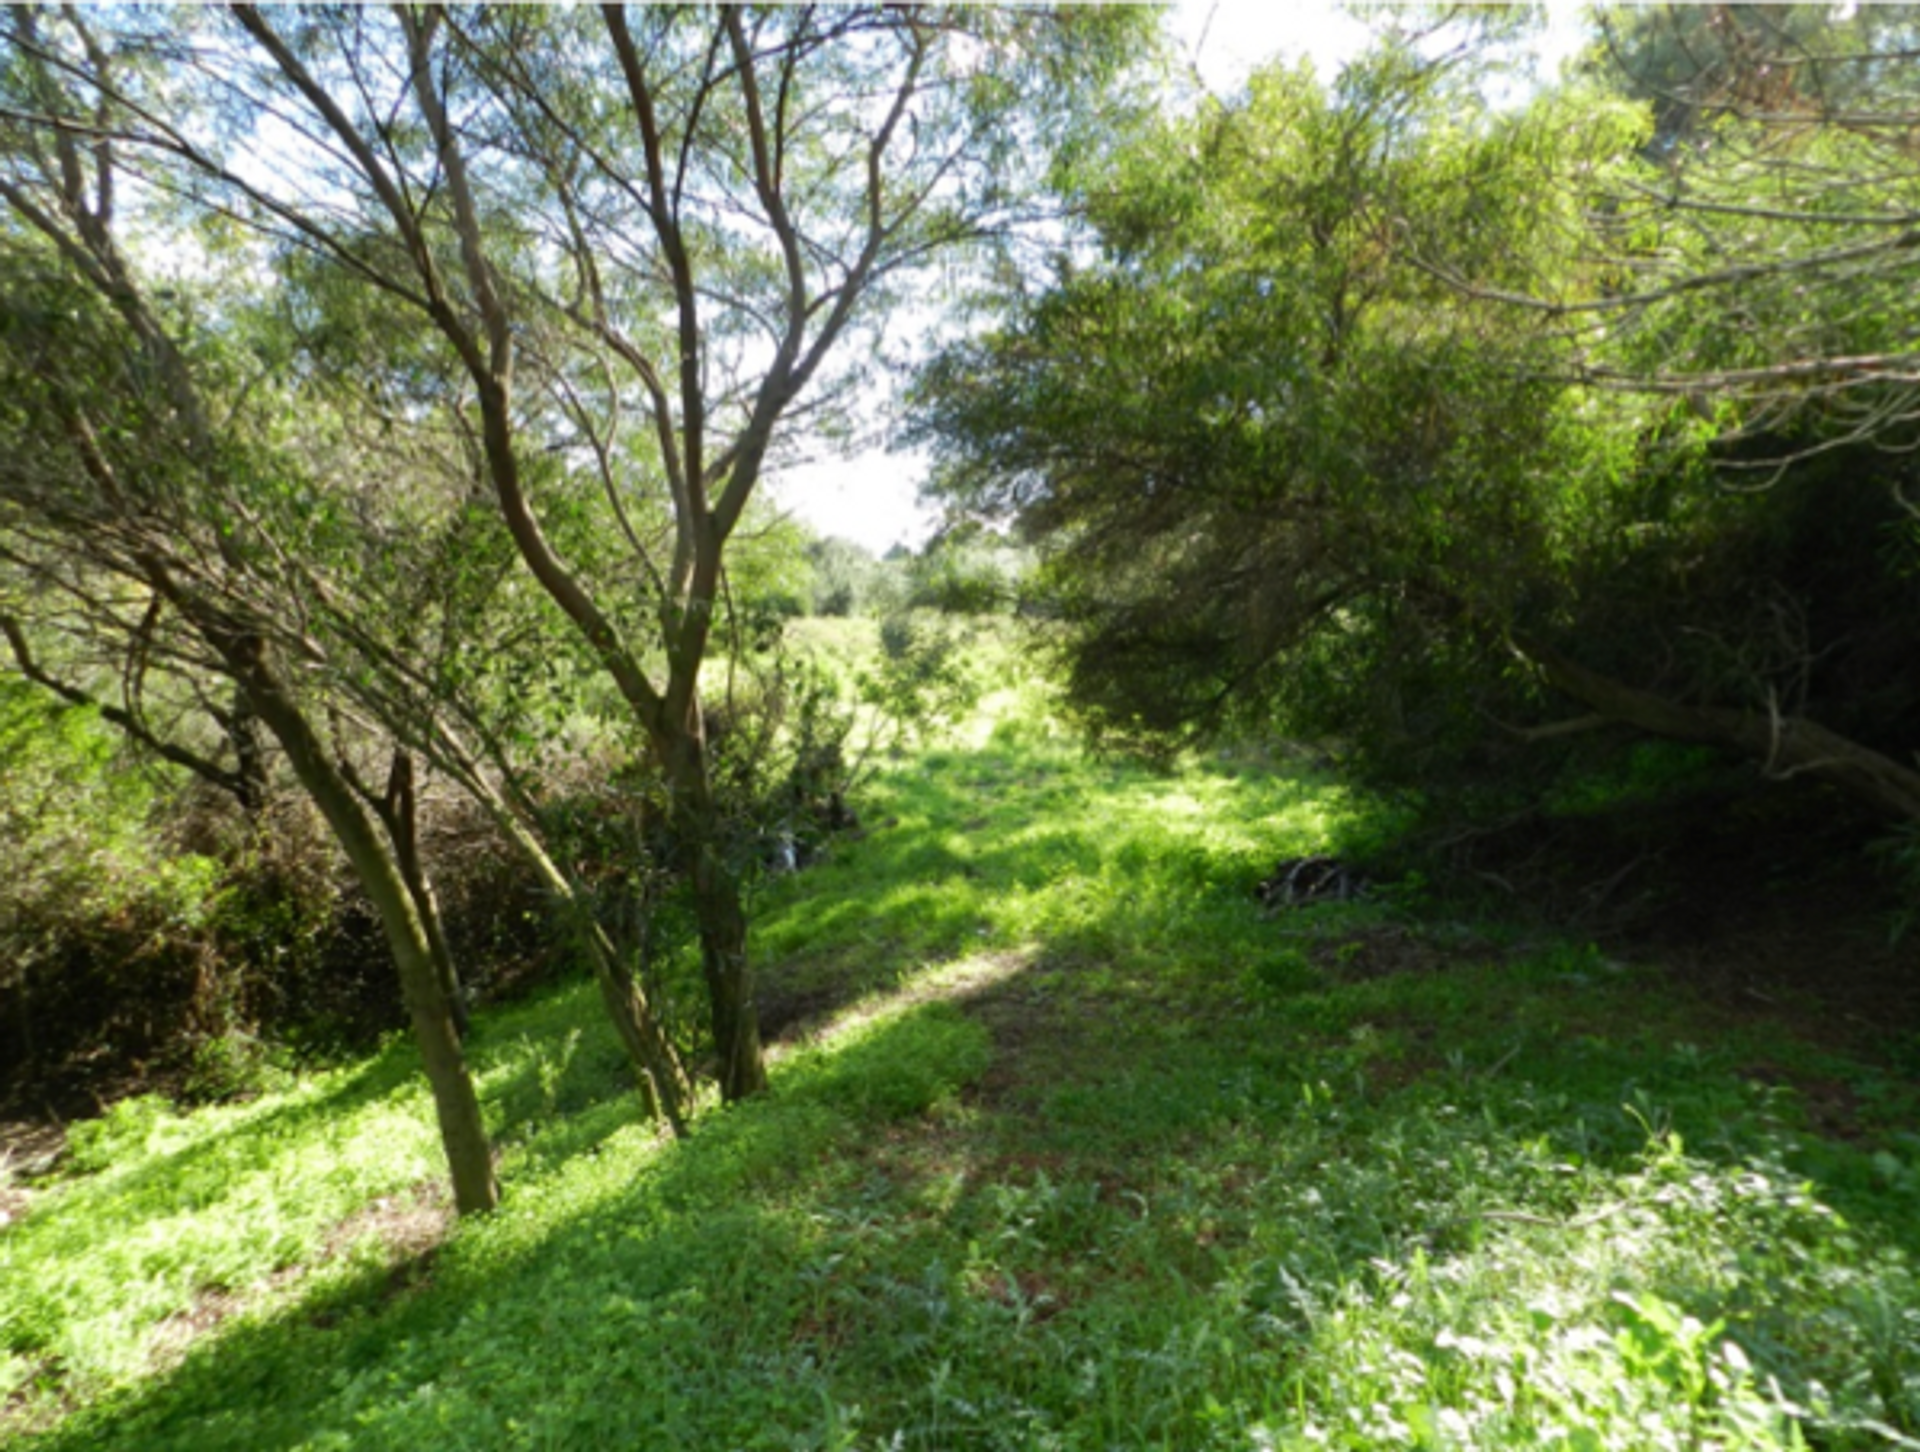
x: 1379, y: 481
x: 447, y: 437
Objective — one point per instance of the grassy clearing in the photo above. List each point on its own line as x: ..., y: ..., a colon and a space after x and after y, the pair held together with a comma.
x: 1099, y: 1158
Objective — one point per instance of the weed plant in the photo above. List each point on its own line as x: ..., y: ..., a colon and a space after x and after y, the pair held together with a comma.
x: 1070, y: 1147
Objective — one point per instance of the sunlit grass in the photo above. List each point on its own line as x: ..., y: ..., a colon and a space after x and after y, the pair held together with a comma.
x: 1078, y: 1150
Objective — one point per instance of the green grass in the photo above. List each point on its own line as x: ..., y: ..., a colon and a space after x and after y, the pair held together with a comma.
x: 1097, y: 1157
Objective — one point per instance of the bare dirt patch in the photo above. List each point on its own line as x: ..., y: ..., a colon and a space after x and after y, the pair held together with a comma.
x: 172, y: 1336
x: 1031, y: 1035
x: 788, y: 1013
x: 1832, y: 1107
x: 410, y: 1224
x: 28, y: 1150
x: 31, y: 1147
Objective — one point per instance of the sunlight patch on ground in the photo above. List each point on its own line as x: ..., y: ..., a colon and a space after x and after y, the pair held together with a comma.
x: 961, y: 978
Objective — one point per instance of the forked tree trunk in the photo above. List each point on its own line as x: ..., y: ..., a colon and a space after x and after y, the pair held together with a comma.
x: 462, y: 1131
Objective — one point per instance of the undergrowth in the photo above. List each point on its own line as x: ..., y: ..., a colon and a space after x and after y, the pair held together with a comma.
x: 1100, y: 1157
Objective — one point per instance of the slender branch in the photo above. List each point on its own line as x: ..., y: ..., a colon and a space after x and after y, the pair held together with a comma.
x: 127, y: 721
x: 663, y: 212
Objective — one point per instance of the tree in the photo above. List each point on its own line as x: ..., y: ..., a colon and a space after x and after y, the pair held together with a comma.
x: 245, y: 780
x: 411, y: 591
x: 1269, y: 467
x: 1756, y: 248
x: 1387, y: 509
x: 846, y: 577
x: 115, y: 471
x: 965, y: 571
x: 643, y: 237
x: 1750, y: 287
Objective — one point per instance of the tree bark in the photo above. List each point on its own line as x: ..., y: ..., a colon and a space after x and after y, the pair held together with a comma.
x: 249, y: 760
x: 462, y: 1132
x: 720, y: 915
x: 1785, y: 746
x: 402, y: 814
x: 80, y: 228
x: 723, y: 956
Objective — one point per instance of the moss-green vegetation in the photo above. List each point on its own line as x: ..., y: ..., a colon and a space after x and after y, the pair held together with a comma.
x: 1068, y: 1146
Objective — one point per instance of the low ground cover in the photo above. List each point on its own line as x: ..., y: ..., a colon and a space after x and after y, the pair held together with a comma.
x: 1070, y: 1145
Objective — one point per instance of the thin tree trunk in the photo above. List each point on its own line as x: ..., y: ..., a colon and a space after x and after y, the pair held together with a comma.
x: 249, y: 760
x: 657, y: 1068
x: 462, y: 1130
x: 1785, y: 746
x: 662, y: 1078
x: 721, y: 918
x: 402, y: 813
x: 723, y: 956
x: 85, y: 236
x: 23, y: 1056
x: 670, y: 717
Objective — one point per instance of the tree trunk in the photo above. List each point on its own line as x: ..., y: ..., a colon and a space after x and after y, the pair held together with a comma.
x: 402, y: 813
x: 721, y: 918
x: 1785, y: 746
x: 462, y: 1131
x: 22, y: 1056
x: 662, y: 1078
x: 249, y: 760
x: 723, y: 956
x: 662, y: 1081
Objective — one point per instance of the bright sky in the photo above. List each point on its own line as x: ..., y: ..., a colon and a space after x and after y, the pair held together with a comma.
x: 873, y: 498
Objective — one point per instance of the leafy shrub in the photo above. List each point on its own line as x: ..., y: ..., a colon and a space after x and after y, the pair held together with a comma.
x: 103, y: 931
x: 924, y: 681
x: 148, y: 926
x: 848, y: 580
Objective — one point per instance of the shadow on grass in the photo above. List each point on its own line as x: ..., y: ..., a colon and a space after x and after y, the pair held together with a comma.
x: 1149, y: 956
x: 1191, y: 1140
x: 882, y: 1232
x: 347, y: 1091
x: 539, y: 1063
x: 641, y: 1292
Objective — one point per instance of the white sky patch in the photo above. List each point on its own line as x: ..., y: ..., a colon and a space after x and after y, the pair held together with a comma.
x: 872, y: 499
x: 1226, y: 39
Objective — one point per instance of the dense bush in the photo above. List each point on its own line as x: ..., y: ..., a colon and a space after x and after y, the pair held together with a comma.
x: 156, y: 934
x: 105, y: 947
x: 848, y: 580
x: 150, y: 931
x: 966, y: 571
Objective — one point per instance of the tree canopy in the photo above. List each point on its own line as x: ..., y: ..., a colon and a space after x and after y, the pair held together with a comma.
x: 387, y: 391
x: 1382, y: 478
